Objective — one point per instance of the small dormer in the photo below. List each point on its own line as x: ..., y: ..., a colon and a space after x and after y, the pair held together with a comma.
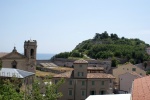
x: 80, y: 68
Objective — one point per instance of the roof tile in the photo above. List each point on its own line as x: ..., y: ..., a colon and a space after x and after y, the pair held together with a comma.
x: 141, y: 88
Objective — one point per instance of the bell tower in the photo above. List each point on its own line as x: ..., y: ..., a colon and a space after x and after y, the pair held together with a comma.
x: 30, y: 48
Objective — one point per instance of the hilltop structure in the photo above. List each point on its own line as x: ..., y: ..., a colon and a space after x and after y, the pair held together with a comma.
x: 26, y: 62
x: 84, y: 81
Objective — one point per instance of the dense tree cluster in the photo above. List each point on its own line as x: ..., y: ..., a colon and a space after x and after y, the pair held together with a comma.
x: 104, y: 46
x: 74, y: 53
x: 10, y: 89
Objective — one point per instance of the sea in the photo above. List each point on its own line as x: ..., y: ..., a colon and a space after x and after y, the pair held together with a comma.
x: 41, y: 56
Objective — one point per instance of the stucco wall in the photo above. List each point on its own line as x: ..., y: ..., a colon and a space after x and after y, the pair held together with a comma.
x: 127, y: 68
x: 125, y: 81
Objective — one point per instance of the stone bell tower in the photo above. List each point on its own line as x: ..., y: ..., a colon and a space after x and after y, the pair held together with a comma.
x: 30, y: 48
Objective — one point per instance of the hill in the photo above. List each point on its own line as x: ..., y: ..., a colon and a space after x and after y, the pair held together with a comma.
x: 104, y: 46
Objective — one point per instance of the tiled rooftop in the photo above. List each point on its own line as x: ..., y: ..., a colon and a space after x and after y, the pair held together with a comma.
x: 69, y: 74
x: 141, y: 88
x: 80, y: 61
x: 136, y: 74
x: 133, y: 73
x: 99, y: 75
x: 95, y: 68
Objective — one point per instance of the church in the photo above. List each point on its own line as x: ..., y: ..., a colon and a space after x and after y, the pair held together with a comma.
x: 26, y: 61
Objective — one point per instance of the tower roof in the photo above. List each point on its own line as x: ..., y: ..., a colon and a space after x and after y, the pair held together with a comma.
x: 14, y: 50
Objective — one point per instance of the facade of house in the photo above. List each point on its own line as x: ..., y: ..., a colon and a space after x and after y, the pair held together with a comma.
x: 26, y: 61
x: 126, y: 79
x: 84, y: 81
x: 141, y: 89
x: 127, y: 68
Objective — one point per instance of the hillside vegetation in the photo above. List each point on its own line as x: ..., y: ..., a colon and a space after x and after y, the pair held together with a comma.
x: 104, y: 46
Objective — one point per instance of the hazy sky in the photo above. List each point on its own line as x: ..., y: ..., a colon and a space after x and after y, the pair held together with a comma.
x: 59, y: 25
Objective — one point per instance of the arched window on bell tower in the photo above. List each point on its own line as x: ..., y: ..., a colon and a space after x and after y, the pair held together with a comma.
x: 32, y: 53
x: 14, y: 64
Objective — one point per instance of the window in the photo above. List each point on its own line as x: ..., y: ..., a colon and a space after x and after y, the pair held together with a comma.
x: 133, y: 69
x: 14, y: 64
x: 83, y: 83
x: 103, y: 82
x: 70, y: 92
x: 93, y: 83
x: 32, y: 53
x: 110, y: 81
x: 70, y: 82
x: 56, y: 81
x: 83, y: 92
x: 92, y: 92
x: 102, y: 92
x: 80, y: 73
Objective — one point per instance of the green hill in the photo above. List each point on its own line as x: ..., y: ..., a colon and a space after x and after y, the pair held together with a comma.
x: 104, y: 46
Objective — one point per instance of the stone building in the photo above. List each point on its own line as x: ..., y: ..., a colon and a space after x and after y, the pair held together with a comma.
x: 84, y: 81
x: 26, y: 61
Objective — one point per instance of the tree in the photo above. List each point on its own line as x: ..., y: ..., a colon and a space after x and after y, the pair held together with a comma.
x: 52, y: 91
x: 8, y: 91
x: 132, y: 61
x: 114, y: 62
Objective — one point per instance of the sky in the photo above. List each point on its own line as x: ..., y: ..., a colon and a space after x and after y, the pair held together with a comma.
x: 60, y: 25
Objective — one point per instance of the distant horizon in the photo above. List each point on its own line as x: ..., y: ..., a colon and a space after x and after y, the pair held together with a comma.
x: 65, y: 51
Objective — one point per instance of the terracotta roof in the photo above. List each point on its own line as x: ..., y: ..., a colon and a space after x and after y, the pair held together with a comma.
x: 141, y: 88
x: 95, y: 68
x: 99, y: 75
x: 136, y: 74
x: 133, y: 73
x: 69, y: 74
x: 81, y: 61
x: 64, y: 75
